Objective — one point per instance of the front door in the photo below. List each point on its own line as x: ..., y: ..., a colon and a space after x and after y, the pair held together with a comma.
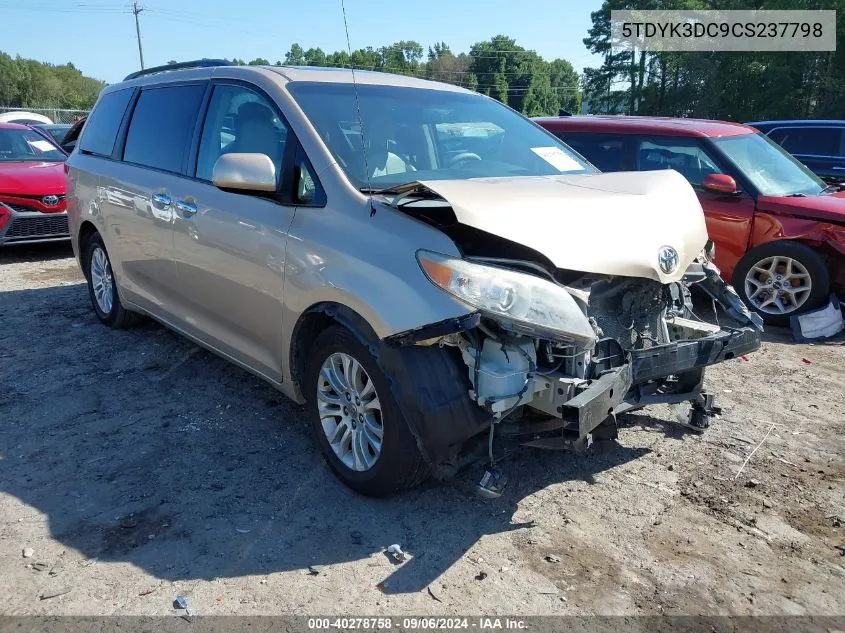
x: 229, y: 247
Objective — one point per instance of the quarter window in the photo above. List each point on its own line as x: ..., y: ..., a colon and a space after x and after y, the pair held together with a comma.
x: 162, y: 127
x: 240, y: 120
x: 684, y: 156
x: 102, y: 126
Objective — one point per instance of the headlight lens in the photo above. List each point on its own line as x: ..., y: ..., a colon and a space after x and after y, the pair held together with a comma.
x: 528, y: 302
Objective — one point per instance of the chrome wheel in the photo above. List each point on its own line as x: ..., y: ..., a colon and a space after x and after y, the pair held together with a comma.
x: 101, y: 280
x: 350, y: 412
x: 778, y: 285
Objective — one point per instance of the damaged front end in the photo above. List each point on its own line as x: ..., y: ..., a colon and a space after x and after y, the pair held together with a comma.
x: 573, y: 324
x: 551, y: 356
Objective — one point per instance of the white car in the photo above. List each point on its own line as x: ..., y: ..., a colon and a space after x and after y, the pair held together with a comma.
x: 27, y: 118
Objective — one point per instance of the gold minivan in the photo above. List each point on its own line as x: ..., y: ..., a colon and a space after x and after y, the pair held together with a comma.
x: 423, y: 266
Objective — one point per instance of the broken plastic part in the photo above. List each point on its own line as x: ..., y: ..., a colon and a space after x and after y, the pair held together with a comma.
x: 727, y: 297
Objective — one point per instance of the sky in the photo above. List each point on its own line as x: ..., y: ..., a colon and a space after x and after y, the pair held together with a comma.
x: 98, y: 36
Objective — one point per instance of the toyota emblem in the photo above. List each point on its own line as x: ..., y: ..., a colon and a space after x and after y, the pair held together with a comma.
x: 50, y: 201
x: 668, y: 259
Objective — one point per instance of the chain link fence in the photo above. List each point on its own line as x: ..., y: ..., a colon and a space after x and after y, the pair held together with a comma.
x: 56, y: 115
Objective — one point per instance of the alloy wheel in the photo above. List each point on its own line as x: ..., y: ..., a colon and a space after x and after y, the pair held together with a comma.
x: 778, y: 285
x: 101, y: 280
x: 350, y: 412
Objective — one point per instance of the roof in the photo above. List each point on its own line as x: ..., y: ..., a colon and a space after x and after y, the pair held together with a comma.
x: 345, y: 75
x: 799, y: 123
x: 662, y: 126
x: 13, y: 126
x: 204, y: 69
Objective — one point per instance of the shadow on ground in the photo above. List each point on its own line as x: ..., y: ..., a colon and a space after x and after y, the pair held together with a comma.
x: 138, y: 446
x: 35, y: 252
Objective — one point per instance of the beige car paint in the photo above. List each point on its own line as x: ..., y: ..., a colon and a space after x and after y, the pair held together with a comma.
x: 568, y: 218
x: 238, y: 275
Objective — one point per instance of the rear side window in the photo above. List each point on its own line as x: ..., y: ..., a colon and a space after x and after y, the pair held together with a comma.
x: 604, y: 151
x: 162, y: 126
x: 102, y: 126
x: 815, y: 141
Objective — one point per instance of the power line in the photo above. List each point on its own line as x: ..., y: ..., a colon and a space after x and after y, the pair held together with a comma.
x: 136, y: 10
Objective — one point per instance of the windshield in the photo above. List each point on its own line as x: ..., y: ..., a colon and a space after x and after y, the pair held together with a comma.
x: 420, y: 134
x: 768, y: 166
x: 28, y: 145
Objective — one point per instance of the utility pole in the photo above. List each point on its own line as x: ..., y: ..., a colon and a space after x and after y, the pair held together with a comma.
x: 136, y: 10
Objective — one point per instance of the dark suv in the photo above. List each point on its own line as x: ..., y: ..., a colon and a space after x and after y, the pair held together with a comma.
x: 820, y: 145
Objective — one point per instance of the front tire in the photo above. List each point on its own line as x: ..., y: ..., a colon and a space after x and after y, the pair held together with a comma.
x: 781, y: 279
x: 356, y: 420
x: 102, y: 288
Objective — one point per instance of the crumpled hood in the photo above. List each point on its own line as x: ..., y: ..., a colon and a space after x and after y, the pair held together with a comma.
x: 614, y: 223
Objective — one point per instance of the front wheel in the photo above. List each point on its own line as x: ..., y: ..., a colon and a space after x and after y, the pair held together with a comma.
x: 355, y: 419
x: 781, y: 279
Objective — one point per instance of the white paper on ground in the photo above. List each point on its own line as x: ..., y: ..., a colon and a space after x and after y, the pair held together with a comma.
x: 557, y: 158
x: 822, y: 323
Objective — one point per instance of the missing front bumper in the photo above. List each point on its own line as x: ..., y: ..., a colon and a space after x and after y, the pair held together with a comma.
x: 620, y: 388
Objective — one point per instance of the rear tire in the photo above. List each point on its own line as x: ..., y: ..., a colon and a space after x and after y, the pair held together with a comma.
x: 102, y: 287
x: 398, y: 464
x: 772, y: 263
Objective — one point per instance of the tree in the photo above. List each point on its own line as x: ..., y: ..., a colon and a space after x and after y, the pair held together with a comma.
x: 29, y: 83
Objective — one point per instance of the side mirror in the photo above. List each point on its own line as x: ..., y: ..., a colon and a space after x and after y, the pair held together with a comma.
x: 719, y: 183
x: 244, y: 172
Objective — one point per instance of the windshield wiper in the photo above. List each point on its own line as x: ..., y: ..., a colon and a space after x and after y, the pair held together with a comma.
x: 831, y: 189
x: 796, y: 195
x: 411, y: 185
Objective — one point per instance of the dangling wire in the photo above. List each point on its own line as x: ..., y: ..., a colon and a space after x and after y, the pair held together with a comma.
x: 358, y: 109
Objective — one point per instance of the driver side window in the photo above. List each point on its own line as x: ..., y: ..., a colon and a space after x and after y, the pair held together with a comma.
x: 240, y: 120
x: 685, y: 156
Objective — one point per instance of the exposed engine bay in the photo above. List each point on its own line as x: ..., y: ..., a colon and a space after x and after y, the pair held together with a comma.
x: 555, y: 354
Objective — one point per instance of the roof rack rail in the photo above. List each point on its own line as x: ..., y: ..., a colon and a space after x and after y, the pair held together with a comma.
x: 197, y: 63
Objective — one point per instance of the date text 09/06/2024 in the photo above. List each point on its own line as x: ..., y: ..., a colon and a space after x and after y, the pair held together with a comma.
x: 416, y: 623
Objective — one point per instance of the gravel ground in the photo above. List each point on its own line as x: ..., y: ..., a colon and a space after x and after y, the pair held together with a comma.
x: 137, y: 467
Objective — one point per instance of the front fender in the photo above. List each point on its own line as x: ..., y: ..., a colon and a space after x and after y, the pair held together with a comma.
x: 367, y: 264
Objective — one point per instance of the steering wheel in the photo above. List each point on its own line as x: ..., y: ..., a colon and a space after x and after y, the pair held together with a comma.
x: 463, y: 156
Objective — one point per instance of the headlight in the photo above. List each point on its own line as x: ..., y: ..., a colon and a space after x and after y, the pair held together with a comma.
x: 529, y: 303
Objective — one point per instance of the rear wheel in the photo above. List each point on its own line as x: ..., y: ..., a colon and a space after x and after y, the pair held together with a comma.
x: 357, y: 422
x: 781, y: 279
x: 102, y: 288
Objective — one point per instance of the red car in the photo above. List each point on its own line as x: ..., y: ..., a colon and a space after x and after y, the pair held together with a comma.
x: 32, y: 187
x: 779, y: 230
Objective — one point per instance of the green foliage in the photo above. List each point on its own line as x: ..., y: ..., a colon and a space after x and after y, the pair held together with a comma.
x: 26, y: 83
x: 498, y: 68
x: 732, y: 86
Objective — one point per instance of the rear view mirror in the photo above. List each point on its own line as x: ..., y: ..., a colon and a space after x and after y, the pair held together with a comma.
x: 719, y: 183
x: 244, y: 172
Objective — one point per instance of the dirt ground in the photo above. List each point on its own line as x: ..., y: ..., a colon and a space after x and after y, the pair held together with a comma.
x: 138, y: 467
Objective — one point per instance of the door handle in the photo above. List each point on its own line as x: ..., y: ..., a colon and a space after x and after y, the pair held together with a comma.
x: 187, y: 208
x: 161, y: 199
